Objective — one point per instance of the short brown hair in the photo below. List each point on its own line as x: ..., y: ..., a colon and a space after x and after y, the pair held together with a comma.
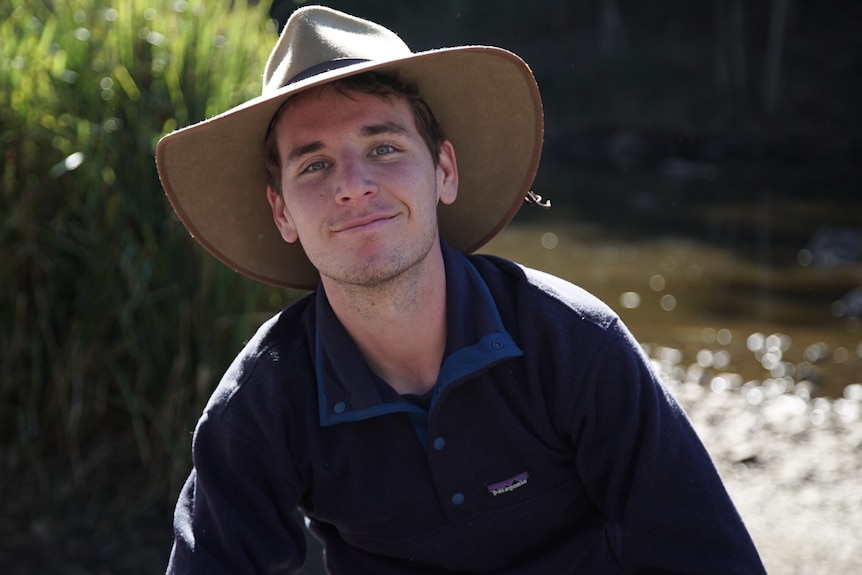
x: 382, y: 85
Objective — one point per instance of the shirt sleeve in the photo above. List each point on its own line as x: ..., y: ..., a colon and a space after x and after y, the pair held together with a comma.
x: 236, y: 513
x: 645, y: 466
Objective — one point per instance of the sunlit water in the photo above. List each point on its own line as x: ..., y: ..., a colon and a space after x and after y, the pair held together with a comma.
x: 710, y: 315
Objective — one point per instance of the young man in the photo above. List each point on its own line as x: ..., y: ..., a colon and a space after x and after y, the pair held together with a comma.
x: 426, y: 410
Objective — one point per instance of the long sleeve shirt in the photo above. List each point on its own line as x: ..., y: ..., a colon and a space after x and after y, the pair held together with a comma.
x: 548, y: 445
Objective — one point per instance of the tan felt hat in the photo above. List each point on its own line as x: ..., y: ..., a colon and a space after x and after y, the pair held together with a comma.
x: 484, y: 98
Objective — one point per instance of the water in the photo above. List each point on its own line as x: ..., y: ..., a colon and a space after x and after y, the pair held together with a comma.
x: 707, y: 307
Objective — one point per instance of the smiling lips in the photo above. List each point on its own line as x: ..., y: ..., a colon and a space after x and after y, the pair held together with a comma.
x: 362, y: 222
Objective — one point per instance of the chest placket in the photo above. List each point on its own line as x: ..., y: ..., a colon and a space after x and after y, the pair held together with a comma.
x: 450, y: 472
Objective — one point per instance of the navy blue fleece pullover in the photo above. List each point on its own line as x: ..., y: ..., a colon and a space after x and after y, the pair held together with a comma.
x: 548, y: 446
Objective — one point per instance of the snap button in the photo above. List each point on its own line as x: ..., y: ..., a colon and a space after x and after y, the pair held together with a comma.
x: 497, y: 344
x: 439, y: 443
x: 339, y: 407
x: 458, y: 498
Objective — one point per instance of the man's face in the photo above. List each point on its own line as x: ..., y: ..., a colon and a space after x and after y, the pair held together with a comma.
x: 359, y: 185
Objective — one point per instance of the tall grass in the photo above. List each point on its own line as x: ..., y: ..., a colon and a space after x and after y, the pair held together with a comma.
x: 114, y: 325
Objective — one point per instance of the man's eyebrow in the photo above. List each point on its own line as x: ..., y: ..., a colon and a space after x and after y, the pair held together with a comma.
x: 304, y: 150
x: 385, y: 128
x: 370, y: 130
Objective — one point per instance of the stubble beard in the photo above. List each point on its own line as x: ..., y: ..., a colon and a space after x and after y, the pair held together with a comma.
x: 382, y: 274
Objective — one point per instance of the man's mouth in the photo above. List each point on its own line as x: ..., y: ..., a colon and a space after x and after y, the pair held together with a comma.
x: 364, y: 222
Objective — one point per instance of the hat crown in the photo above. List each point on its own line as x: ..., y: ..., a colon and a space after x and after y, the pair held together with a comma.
x: 315, y: 36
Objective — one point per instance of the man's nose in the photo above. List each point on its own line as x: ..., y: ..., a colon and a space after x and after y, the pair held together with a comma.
x: 356, y: 182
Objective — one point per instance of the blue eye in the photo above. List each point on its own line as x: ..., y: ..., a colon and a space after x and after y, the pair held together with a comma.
x: 383, y: 150
x: 316, y: 166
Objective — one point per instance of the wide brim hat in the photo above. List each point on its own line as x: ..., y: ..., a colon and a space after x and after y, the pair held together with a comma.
x: 485, y: 99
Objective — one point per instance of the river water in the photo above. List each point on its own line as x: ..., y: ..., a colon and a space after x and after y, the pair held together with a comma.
x: 764, y: 285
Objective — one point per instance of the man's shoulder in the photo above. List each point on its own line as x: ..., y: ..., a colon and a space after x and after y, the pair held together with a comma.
x: 542, y: 291
x: 276, y: 349
x: 294, y: 321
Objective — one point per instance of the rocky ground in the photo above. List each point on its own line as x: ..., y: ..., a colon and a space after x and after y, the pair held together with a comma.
x: 792, y: 464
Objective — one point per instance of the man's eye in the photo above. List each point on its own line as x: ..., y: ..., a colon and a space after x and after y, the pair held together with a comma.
x: 315, y: 166
x: 383, y: 150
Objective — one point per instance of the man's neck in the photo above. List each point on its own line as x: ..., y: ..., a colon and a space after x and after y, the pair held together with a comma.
x: 400, y: 326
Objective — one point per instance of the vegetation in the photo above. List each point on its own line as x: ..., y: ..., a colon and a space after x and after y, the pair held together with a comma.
x: 114, y: 326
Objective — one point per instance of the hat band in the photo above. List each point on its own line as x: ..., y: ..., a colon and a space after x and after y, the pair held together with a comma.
x: 325, y: 67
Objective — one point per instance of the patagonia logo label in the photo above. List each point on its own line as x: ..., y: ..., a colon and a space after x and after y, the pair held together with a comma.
x: 508, y: 485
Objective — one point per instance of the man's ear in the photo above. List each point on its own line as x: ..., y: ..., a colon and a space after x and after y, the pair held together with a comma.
x: 447, y: 173
x: 280, y: 215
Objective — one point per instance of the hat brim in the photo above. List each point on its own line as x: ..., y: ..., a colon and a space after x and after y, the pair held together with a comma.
x: 484, y: 98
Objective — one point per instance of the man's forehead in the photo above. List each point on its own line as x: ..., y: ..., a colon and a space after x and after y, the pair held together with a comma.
x: 335, y: 90
x: 318, y: 109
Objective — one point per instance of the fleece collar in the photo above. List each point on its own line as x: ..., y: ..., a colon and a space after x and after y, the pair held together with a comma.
x: 476, y: 339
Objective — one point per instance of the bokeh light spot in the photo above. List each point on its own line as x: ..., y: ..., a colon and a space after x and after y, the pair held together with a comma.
x: 630, y: 300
